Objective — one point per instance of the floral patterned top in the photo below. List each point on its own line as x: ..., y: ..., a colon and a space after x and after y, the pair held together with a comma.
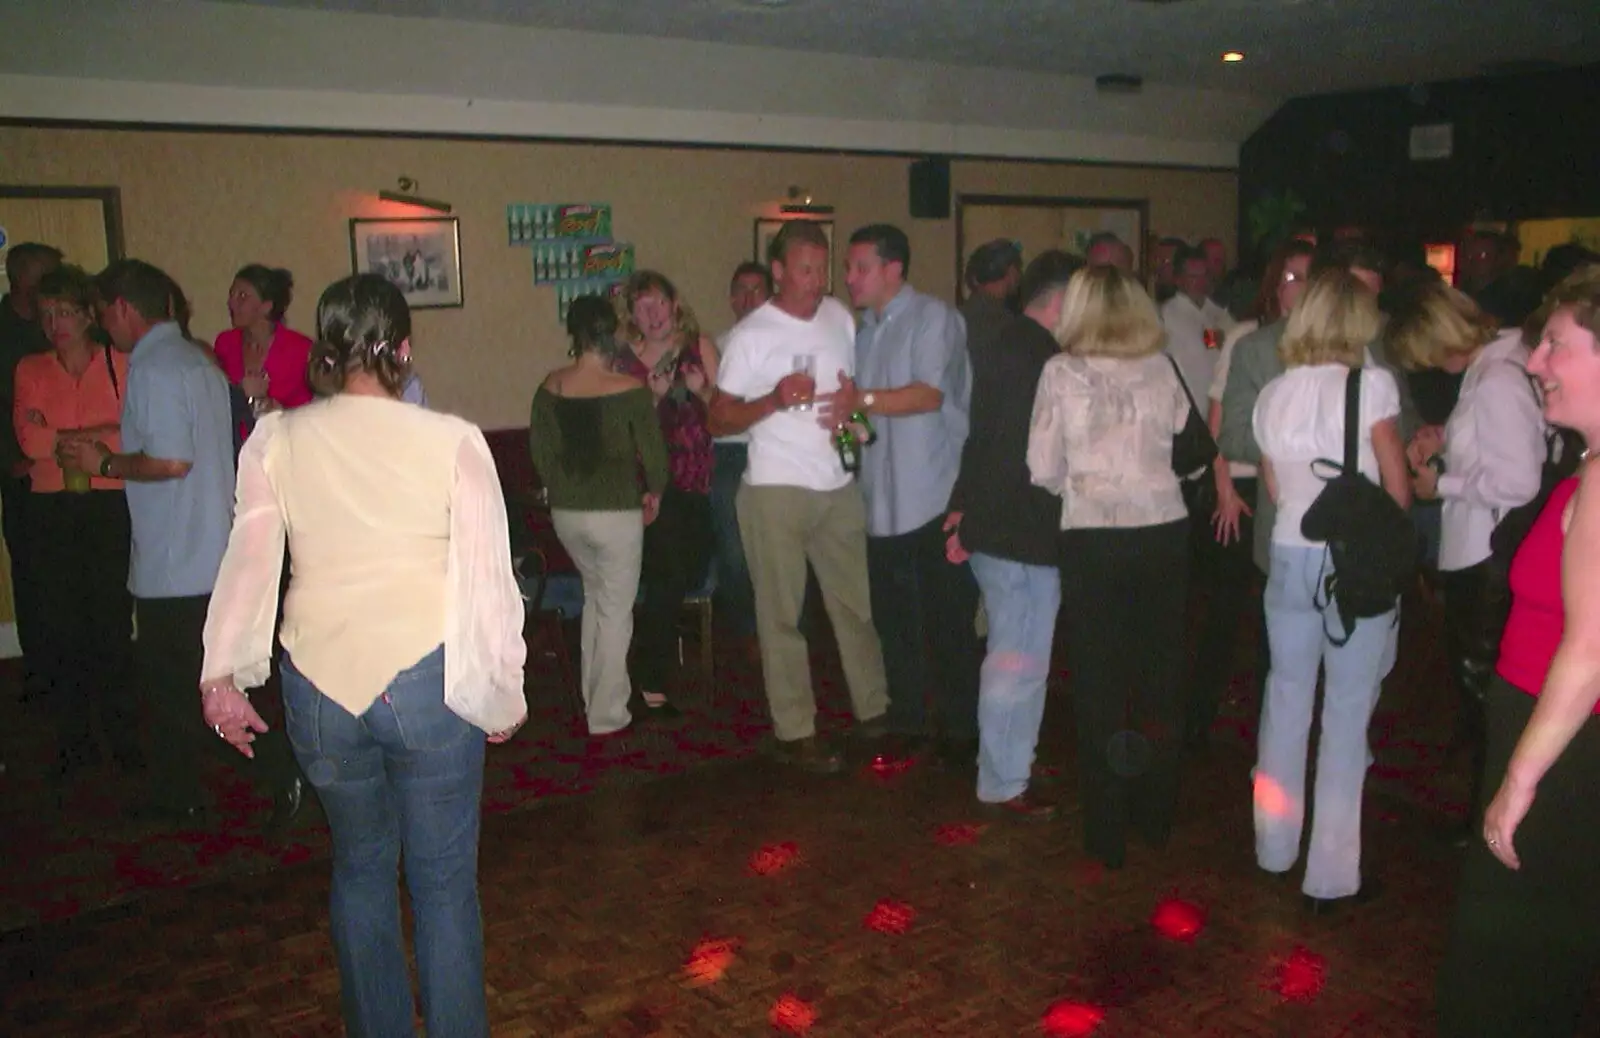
x: 683, y: 416
x: 1101, y: 439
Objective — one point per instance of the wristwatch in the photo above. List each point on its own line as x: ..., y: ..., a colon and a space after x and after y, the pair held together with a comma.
x: 1436, y: 463
x: 867, y: 400
x: 105, y: 464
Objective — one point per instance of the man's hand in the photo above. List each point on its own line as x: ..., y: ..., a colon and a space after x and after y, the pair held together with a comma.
x: 794, y: 389
x: 834, y: 409
x: 954, y: 553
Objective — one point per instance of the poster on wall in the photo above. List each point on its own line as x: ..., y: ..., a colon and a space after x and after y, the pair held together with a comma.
x: 558, y: 261
x: 572, y: 222
x: 567, y: 291
x: 421, y: 257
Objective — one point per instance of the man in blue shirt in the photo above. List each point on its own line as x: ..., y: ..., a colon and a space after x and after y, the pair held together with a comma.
x: 177, y: 461
x: 914, y: 380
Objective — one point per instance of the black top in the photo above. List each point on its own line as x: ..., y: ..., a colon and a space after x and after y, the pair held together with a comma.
x: 1004, y: 514
x: 18, y: 339
x: 986, y: 317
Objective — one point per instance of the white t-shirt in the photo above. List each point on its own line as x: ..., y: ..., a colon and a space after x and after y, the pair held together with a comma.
x: 1186, y: 326
x: 1299, y: 417
x: 789, y: 448
x: 722, y: 348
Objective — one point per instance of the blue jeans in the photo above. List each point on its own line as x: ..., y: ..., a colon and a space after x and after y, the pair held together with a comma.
x: 406, y: 774
x: 1299, y: 635
x: 1022, y: 602
x: 735, y: 600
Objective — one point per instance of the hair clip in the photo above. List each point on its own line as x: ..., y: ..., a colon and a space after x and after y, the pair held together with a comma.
x: 379, y: 348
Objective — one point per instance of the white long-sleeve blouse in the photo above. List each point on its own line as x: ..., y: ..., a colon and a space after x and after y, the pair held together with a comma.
x: 1494, y: 449
x: 397, y: 532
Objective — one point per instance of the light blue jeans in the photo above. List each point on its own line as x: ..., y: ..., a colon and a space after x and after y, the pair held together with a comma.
x: 407, y: 774
x: 1299, y: 635
x: 1021, y: 602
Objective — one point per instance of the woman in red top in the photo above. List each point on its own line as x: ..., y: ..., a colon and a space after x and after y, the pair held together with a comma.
x: 259, y: 354
x: 79, y: 526
x: 667, y: 352
x: 1525, y: 949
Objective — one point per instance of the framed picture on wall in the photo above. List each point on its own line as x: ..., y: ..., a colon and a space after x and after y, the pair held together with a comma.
x: 422, y: 258
x: 767, y: 229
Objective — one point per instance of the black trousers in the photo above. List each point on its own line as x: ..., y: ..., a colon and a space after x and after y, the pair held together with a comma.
x: 84, y: 620
x: 1124, y: 592
x: 1476, y: 604
x: 1224, y: 579
x: 15, y: 497
x: 925, y: 610
x: 1525, y: 948
x: 677, y: 551
x: 168, y: 657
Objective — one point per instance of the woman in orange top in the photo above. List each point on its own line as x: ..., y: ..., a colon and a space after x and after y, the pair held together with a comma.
x: 80, y: 525
x: 260, y: 354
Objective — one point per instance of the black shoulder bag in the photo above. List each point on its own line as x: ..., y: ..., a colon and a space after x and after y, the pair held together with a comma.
x: 1194, y: 450
x: 1371, y: 543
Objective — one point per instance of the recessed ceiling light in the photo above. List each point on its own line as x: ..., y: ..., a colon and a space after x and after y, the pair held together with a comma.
x: 1232, y: 56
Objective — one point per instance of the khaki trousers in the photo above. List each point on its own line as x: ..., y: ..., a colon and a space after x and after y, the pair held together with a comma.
x: 783, y: 528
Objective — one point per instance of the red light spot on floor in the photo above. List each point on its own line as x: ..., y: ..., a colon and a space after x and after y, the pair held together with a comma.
x: 774, y: 858
x: 1067, y: 1019
x: 1301, y: 976
x: 957, y: 834
x: 893, y: 917
x: 1178, y: 920
x: 1089, y: 872
x: 885, y: 765
x: 792, y: 1016
x: 709, y: 961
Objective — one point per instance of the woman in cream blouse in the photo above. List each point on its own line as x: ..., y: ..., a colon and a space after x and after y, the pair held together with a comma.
x: 1103, y: 420
x: 402, y: 647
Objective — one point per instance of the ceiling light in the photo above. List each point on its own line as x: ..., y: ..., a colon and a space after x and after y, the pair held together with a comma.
x: 1233, y: 56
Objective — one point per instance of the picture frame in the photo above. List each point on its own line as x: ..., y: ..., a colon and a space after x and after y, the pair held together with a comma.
x: 767, y: 228
x: 421, y: 257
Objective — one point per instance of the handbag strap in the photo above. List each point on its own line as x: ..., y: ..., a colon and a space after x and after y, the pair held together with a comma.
x: 1352, y: 422
x: 1179, y: 372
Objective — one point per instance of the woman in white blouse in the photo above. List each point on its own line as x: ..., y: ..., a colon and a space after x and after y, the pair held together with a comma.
x: 402, y: 648
x: 1485, y: 461
x: 1104, y: 416
x: 1298, y: 419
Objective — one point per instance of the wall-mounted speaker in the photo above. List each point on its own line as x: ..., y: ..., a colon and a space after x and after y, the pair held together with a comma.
x: 930, y: 188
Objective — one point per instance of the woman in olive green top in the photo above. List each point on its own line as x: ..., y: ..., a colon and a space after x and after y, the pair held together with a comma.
x: 593, y: 433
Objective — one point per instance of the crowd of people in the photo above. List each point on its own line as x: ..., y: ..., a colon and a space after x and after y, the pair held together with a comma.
x: 1067, y: 452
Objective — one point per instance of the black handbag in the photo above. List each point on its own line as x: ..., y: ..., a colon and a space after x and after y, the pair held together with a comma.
x: 1194, y: 452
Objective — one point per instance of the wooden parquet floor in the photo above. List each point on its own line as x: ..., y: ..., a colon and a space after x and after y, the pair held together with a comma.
x: 739, y: 898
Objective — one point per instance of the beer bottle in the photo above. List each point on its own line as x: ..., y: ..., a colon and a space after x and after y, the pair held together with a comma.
x: 848, y: 446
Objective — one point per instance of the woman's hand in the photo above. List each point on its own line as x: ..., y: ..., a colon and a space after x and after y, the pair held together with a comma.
x: 501, y: 736
x: 694, y: 376
x: 1230, y: 506
x: 651, y: 503
x: 1505, y: 813
x: 1425, y: 484
x: 660, y: 383
x: 254, y: 386
x: 1425, y: 443
x: 230, y: 715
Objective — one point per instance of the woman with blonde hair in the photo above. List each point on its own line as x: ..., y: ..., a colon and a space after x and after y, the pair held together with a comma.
x: 664, y: 349
x: 1299, y: 419
x: 1524, y: 950
x: 1104, y: 417
x: 1485, y: 461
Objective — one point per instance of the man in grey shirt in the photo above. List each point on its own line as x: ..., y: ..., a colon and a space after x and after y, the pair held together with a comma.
x: 177, y: 461
x: 914, y: 380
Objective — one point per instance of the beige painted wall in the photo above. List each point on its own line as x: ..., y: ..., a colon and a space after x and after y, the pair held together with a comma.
x: 203, y: 204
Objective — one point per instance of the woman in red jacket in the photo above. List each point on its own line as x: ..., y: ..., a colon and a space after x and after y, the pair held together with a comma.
x: 260, y: 354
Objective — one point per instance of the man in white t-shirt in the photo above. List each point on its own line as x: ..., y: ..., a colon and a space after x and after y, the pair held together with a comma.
x: 798, y: 504
x: 1195, y: 325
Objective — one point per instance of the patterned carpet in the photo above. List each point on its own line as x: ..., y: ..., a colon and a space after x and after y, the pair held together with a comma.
x: 72, y: 851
